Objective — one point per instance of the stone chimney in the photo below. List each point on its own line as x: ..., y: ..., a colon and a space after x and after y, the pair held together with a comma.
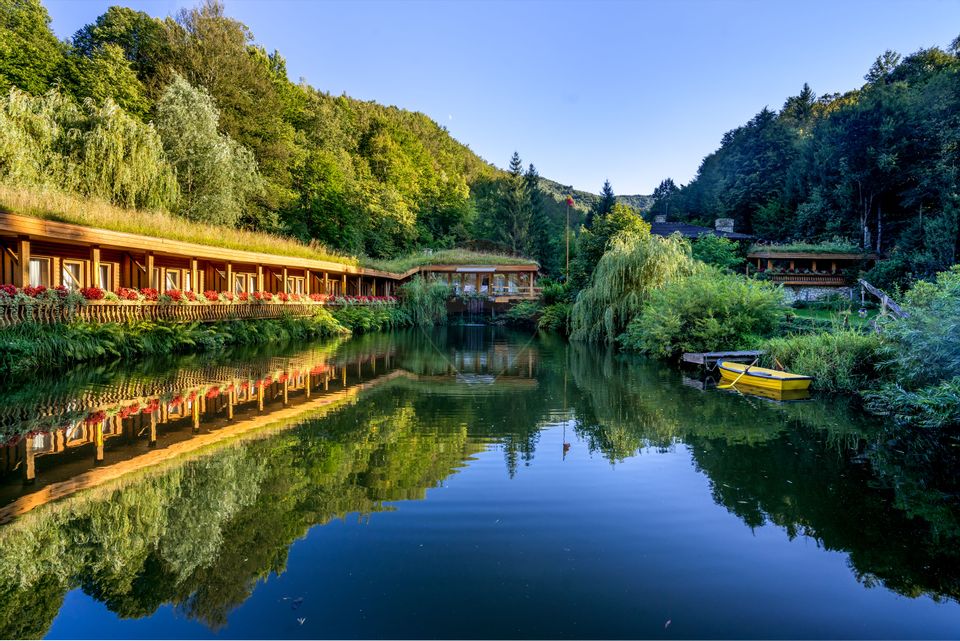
x: 659, y: 218
x: 724, y: 224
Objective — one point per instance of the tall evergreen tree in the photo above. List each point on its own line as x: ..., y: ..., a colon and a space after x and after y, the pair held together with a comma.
x: 603, y: 206
x: 540, y: 241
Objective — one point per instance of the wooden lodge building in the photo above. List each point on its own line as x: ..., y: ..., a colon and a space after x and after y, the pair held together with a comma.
x: 44, y: 252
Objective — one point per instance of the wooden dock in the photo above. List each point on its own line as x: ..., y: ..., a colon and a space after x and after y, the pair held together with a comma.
x: 710, y: 359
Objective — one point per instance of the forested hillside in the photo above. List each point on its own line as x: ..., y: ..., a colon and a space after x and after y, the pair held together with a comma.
x: 877, y: 166
x: 189, y: 115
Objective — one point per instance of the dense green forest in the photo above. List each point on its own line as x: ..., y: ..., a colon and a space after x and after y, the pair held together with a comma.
x: 188, y: 115
x: 877, y: 166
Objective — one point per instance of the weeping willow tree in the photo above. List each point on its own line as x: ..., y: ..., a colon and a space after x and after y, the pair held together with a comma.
x: 634, y: 264
x: 91, y: 149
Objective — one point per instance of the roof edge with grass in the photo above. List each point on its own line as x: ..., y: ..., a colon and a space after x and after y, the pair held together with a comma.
x: 829, y: 247
x: 88, y: 212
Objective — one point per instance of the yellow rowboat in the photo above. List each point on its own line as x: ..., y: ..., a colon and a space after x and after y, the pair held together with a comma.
x: 762, y: 377
x: 771, y: 394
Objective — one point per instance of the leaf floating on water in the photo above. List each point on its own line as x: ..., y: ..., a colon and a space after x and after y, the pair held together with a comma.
x: 667, y: 624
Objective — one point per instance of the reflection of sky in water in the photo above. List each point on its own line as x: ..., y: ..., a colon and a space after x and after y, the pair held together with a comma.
x: 676, y: 512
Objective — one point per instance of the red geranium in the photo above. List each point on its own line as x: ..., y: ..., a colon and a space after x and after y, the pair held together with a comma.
x: 175, y: 295
x: 213, y: 392
x: 228, y: 296
x: 125, y: 293
x: 94, y: 418
x: 92, y: 293
x: 151, y: 406
x: 8, y: 290
x: 150, y: 293
x: 191, y: 296
x: 283, y: 296
x: 244, y: 297
x: 34, y: 292
x: 211, y: 296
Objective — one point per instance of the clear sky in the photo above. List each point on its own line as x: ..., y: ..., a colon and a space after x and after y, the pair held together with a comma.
x: 630, y: 91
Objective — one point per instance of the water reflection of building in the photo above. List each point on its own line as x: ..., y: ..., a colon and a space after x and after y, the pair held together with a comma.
x: 72, y: 441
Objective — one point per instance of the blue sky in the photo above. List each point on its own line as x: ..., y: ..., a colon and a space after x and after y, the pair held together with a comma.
x: 630, y: 91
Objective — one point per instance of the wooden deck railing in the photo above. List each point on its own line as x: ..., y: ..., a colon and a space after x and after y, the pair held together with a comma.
x: 121, y: 312
x: 822, y: 280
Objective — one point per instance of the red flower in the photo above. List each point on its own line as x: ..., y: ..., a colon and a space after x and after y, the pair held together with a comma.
x: 8, y: 290
x: 94, y: 418
x: 244, y: 297
x: 151, y: 406
x: 191, y: 296
x: 34, y: 292
x: 283, y: 297
x: 124, y: 293
x: 213, y: 392
x: 570, y: 201
x: 175, y: 294
x: 211, y: 296
x: 149, y: 293
x: 92, y: 293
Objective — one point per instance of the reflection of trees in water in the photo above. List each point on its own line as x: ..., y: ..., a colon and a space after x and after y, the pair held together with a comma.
x: 202, y: 533
x: 817, y: 469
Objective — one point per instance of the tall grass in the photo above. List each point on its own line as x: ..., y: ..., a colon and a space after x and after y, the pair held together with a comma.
x: 49, y: 204
x: 425, y: 302
x: 842, y: 360
x: 444, y: 257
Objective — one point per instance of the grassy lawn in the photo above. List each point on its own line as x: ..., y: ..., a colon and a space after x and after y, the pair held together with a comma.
x: 830, y: 315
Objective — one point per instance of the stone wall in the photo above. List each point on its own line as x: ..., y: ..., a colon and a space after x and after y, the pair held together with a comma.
x: 794, y: 293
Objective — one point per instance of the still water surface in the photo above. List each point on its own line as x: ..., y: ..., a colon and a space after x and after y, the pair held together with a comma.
x: 463, y: 483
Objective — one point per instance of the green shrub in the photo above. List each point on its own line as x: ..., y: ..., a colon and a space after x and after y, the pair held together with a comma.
x: 32, y: 346
x: 843, y: 360
x: 524, y: 313
x: 363, y: 319
x: 717, y: 251
x: 555, y: 318
x: 708, y: 311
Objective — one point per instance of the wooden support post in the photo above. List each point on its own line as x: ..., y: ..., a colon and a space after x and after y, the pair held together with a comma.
x: 230, y: 405
x: 229, y: 287
x: 326, y: 283
x: 306, y: 282
x: 98, y: 443
x: 194, y: 275
x: 477, y: 284
x: 343, y: 285
x: 359, y: 285
x: 151, y: 279
x: 286, y: 284
x: 533, y: 284
x: 259, y: 278
x: 56, y: 274
x: 196, y: 415
x: 769, y: 264
x: 792, y: 263
x: 153, y: 429
x: 813, y: 266
x: 260, y: 398
x: 22, y: 274
x: 286, y: 391
x: 95, y: 267
x: 307, y: 389
x: 833, y: 267
x: 326, y: 382
x: 343, y: 372
x: 29, y: 461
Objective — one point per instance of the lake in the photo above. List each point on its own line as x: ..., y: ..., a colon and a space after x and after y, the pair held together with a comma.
x: 462, y: 482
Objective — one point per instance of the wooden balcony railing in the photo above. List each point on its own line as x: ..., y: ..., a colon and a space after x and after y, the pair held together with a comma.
x: 816, y: 280
x: 121, y: 312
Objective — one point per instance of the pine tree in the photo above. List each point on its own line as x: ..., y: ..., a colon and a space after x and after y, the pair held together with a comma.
x: 603, y: 206
x: 539, y: 241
